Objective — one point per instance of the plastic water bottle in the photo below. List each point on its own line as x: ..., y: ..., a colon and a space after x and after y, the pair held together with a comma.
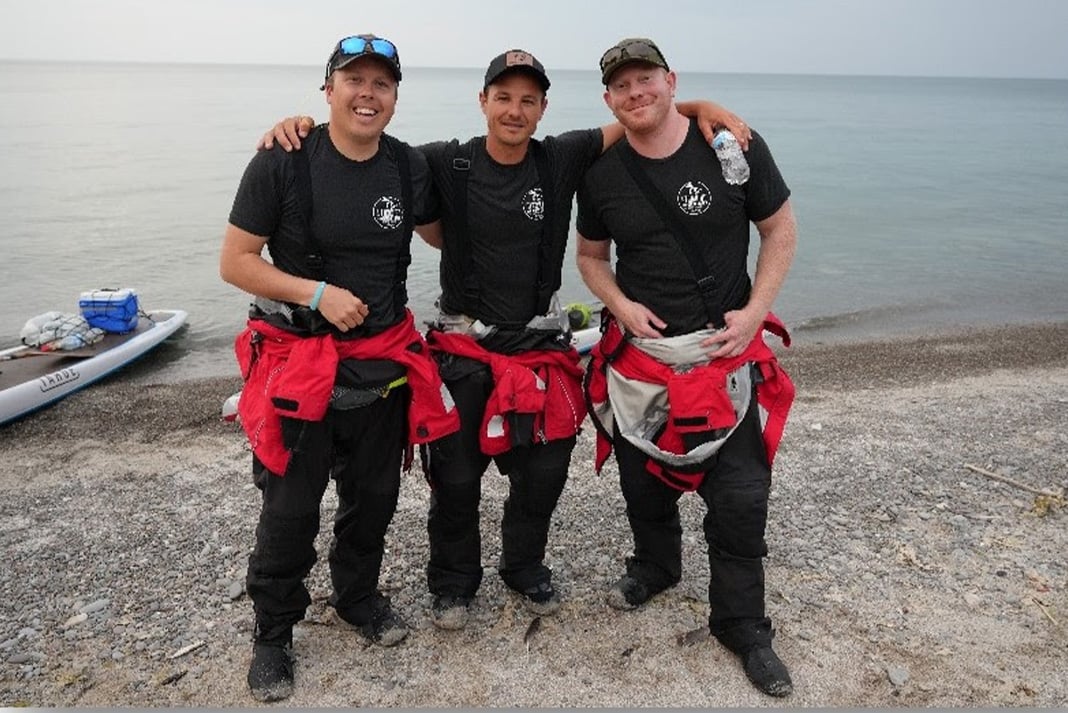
x: 71, y: 341
x: 731, y: 158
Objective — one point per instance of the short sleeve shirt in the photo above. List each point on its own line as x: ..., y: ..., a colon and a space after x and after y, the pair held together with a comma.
x: 650, y: 266
x: 357, y: 218
x: 505, y: 210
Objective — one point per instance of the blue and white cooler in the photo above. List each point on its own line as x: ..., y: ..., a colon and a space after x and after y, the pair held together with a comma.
x: 114, y: 311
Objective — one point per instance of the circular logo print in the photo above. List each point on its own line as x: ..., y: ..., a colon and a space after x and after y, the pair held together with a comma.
x: 694, y: 198
x: 388, y: 212
x: 534, y: 204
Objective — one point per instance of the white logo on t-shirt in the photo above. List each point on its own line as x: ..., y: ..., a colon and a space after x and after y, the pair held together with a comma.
x: 534, y: 204
x: 388, y: 212
x: 694, y: 198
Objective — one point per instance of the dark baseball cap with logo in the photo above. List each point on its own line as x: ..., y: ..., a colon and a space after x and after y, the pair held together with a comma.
x: 516, y: 61
x: 629, y: 51
x: 350, y: 49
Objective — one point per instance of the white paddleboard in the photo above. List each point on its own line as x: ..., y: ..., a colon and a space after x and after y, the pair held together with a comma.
x: 31, y: 380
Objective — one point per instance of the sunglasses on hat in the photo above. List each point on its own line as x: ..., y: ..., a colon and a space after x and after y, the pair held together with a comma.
x: 635, y: 49
x: 351, y: 48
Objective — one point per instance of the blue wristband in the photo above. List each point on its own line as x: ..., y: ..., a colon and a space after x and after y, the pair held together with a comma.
x: 318, y: 295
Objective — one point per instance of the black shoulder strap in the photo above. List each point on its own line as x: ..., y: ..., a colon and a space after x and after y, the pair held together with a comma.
x: 461, y: 246
x: 399, y: 150
x: 550, y: 252
x: 313, y: 256
x: 706, y: 281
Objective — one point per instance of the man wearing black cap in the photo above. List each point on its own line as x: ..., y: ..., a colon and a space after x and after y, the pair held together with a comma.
x: 506, y: 213
x: 682, y: 386
x: 501, y: 337
x: 337, y: 379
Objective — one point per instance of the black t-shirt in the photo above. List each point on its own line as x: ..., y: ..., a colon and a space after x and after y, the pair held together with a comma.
x: 650, y: 267
x: 357, y: 218
x: 505, y: 209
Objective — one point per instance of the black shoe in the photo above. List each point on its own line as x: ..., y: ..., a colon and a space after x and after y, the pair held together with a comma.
x: 767, y: 671
x: 270, y: 675
x: 629, y: 593
x: 541, y: 599
x: 450, y: 613
x: 386, y: 628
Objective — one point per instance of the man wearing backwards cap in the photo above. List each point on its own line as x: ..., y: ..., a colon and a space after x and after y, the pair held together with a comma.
x: 687, y: 324
x: 328, y: 324
x: 501, y: 337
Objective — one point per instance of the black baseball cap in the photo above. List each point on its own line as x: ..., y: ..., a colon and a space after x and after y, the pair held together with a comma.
x: 628, y: 51
x: 349, y: 49
x: 516, y: 61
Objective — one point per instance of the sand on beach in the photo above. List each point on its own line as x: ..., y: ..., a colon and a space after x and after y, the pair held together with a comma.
x: 913, y: 560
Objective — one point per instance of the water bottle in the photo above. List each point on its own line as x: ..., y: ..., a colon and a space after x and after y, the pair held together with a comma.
x: 731, y: 158
x: 78, y: 340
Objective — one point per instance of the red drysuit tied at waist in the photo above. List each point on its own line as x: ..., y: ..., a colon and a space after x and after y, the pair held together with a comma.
x: 293, y: 376
x: 697, y: 399
x: 557, y: 405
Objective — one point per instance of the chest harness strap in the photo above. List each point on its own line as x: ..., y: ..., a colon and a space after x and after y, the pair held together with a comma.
x: 549, y: 254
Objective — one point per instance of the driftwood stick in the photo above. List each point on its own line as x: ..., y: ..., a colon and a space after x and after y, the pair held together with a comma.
x: 1045, y: 611
x: 1010, y: 481
x: 187, y: 649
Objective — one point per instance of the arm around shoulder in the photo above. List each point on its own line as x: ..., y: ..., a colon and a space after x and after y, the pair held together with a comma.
x: 711, y: 117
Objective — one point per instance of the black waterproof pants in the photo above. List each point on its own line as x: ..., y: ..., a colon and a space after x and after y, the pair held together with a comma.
x: 362, y: 449
x: 735, y: 490
x: 454, y: 466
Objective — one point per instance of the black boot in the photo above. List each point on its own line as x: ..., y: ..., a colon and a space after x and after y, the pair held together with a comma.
x: 270, y: 675
x: 751, y: 642
x: 767, y: 671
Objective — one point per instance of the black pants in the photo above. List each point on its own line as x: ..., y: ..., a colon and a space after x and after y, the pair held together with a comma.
x: 455, y: 465
x: 735, y: 490
x: 362, y: 450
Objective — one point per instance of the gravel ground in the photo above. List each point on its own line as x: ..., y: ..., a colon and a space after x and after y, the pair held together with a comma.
x: 901, y: 571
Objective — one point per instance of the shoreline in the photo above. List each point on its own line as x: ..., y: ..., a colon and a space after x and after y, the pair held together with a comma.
x: 896, y: 574
x: 187, y: 360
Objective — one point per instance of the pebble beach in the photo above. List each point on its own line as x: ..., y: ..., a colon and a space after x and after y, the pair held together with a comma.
x: 918, y: 534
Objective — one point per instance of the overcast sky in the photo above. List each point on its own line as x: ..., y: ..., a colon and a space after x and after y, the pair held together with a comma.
x: 988, y: 38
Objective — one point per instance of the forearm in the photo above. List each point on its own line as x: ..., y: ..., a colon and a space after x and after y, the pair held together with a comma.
x: 256, y: 276
x: 778, y: 243
x: 691, y: 108
x: 711, y: 116
x: 599, y: 277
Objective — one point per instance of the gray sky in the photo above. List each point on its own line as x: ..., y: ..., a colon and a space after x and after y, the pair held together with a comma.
x: 987, y: 38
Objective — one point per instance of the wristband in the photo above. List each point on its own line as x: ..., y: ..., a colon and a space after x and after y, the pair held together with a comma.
x: 318, y: 295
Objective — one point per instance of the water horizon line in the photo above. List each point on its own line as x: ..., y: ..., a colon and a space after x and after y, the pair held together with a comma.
x: 683, y: 71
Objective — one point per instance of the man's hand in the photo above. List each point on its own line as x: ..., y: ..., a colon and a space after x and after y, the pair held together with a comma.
x: 742, y: 326
x: 288, y: 133
x: 711, y: 117
x: 637, y: 319
x: 342, y: 308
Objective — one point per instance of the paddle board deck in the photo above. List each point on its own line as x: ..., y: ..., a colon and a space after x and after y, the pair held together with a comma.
x: 31, y: 379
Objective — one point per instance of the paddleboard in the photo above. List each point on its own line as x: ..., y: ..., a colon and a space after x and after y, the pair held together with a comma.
x: 583, y: 340
x: 31, y: 379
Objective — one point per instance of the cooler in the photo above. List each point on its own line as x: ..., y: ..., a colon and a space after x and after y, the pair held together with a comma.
x: 114, y: 311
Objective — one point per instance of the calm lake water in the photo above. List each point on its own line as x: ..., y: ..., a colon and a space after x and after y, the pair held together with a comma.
x: 921, y: 203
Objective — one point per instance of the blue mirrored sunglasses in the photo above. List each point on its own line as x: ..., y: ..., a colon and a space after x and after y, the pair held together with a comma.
x: 365, y: 45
